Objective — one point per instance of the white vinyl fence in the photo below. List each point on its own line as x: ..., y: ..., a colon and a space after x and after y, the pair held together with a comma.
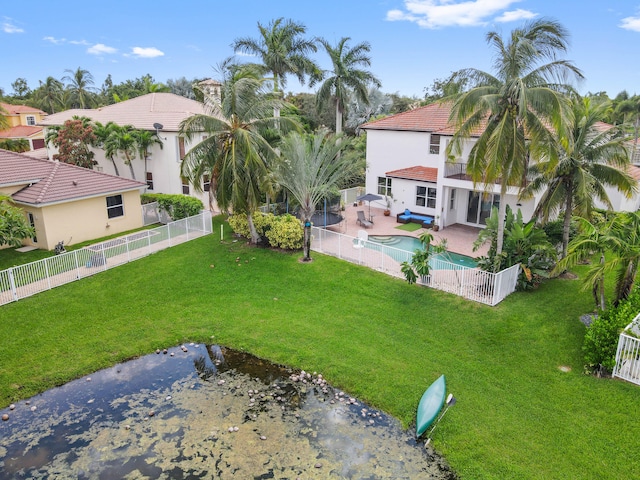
x: 470, y: 283
x: 26, y: 280
x: 628, y: 353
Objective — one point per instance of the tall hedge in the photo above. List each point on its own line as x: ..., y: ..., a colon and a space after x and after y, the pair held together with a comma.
x: 177, y: 206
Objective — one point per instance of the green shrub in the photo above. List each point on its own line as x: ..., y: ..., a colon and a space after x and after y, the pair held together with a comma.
x: 177, y: 206
x: 601, y: 339
x: 282, y: 231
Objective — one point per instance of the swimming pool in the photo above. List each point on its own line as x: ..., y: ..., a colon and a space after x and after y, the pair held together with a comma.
x: 411, y: 244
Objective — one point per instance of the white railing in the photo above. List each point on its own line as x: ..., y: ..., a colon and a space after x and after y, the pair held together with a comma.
x: 628, y: 354
x: 26, y: 280
x: 470, y: 283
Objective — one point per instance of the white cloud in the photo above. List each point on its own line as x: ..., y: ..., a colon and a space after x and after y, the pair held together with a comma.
x: 9, y: 27
x: 101, y: 49
x: 79, y: 42
x: 446, y: 13
x: 54, y: 40
x: 146, y: 52
x: 631, y: 23
x: 515, y: 15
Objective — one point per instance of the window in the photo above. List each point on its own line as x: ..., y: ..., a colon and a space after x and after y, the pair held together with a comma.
x: 452, y: 199
x: 32, y: 222
x: 384, y: 186
x: 426, y: 197
x: 434, y: 144
x: 150, y: 180
x: 181, y: 147
x: 31, y: 120
x: 115, y: 207
x: 206, y: 183
x: 185, y: 186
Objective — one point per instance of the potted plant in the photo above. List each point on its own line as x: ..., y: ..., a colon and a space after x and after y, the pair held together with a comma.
x: 387, y: 199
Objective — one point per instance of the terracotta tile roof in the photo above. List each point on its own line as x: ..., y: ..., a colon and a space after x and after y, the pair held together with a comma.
x: 433, y: 118
x: 634, y: 171
x: 141, y: 112
x: 423, y: 174
x: 20, y: 131
x: 18, y: 109
x: 53, y: 182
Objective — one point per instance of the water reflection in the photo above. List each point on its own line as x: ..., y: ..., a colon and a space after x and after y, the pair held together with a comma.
x: 202, y: 413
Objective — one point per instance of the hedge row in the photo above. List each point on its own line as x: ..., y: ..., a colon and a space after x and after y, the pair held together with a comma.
x: 177, y: 206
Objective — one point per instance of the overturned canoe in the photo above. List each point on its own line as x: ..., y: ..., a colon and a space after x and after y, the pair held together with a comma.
x: 430, y: 405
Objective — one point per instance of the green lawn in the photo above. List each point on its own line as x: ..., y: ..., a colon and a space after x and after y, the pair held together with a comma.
x: 517, y: 416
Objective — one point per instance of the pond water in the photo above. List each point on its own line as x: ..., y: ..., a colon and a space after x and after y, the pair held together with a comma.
x: 199, y: 411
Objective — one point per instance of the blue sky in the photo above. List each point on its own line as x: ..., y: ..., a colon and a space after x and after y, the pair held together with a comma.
x: 412, y: 42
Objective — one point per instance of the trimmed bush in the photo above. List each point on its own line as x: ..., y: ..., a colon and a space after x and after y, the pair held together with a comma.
x: 282, y: 231
x: 177, y: 206
x: 601, y: 339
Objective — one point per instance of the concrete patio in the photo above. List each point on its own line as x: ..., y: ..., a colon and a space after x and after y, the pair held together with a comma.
x: 459, y: 238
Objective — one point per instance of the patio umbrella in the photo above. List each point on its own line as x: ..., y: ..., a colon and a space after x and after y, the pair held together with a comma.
x: 369, y: 197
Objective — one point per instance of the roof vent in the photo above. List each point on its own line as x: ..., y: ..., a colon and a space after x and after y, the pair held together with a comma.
x: 74, y: 183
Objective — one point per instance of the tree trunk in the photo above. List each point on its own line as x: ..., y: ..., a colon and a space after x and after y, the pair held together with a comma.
x: 307, y: 240
x: 115, y: 167
x: 252, y: 229
x: 133, y: 175
x: 567, y: 220
x: 338, y: 117
x: 502, y: 211
x: 601, y: 286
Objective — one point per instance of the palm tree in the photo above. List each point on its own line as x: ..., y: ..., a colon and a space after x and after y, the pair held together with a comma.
x: 80, y: 87
x: 310, y: 168
x: 49, y: 95
x: 235, y: 155
x: 145, y: 140
x: 17, y: 145
x: 282, y: 50
x: 105, y: 139
x: 516, y: 106
x: 346, y: 76
x: 123, y: 141
x: 631, y: 106
x: 4, y: 122
x: 590, y: 159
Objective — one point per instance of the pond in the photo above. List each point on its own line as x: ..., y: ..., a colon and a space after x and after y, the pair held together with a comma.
x: 199, y: 411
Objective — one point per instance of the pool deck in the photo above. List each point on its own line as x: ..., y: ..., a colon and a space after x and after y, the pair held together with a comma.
x: 459, y: 237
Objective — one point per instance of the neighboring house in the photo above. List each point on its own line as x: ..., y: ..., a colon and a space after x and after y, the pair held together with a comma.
x: 23, y: 124
x: 68, y: 203
x: 156, y: 112
x: 406, y: 158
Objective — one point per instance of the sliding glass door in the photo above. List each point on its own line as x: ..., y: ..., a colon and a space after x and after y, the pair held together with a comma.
x: 479, y: 206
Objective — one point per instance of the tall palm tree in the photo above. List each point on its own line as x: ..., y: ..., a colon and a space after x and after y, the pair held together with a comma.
x: 145, y: 140
x: 105, y: 135
x: 346, y: 76
x: 4, y: 121
x: 517, y: 106
x: 235, y: 155
x: 282, y: 49
x: 49, y: 95
x: 590, y: 159
x: 123, y: 140
x: 631, y: 107
x: 310, y: 168
x: 80, y: 87
x: 17, y: 145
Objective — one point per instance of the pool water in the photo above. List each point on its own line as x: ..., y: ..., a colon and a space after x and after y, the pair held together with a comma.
x: 411, y: 244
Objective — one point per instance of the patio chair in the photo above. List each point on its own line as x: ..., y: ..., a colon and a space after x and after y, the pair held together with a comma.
x: 363, y: 221
x: 362, y: 237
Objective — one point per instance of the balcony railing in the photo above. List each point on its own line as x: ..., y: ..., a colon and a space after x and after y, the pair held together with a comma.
x: 458, y: 171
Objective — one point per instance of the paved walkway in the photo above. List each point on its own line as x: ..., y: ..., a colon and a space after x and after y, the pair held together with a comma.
x: 459, y: 238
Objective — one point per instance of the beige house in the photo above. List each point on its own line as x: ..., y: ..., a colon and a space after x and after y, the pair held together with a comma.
x: 23, y: 124
x: 156, y: 112
x: 68, y: 203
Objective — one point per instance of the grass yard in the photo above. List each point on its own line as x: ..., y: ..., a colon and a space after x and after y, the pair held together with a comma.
x: 409, y: 227
x: 518, y: 415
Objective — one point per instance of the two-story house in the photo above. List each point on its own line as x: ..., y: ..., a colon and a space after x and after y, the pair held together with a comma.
x: 406, y: 159
x: 23, y: 124
x: 157, y: 112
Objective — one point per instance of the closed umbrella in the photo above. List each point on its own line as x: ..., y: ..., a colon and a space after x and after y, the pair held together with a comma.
x: 369, y: 197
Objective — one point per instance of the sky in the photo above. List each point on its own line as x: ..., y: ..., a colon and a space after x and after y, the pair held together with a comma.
x: 413, y: 42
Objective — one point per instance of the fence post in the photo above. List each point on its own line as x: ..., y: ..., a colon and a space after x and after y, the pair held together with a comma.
x: 126, y: 243
x: 46, y: 271
x: 186, y: 226
x: 12, y: 282
x: 104, y: 258
x: 75, y: 255
x: 169, y: 233
x: 462, y: 284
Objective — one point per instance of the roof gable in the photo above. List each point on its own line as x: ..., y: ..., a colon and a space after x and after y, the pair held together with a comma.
x: 142, y: 112
x: 18, y: 109
x: 51, y: 182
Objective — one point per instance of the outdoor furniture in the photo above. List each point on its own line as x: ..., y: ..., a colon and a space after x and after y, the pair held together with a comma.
x: 363, y: 221
x: 362, y: 237
x: 421, y: 218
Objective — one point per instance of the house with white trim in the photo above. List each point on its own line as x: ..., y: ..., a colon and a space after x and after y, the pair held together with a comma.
x: 156, y: 112
x: 406, y: 159
x: 23, y: 124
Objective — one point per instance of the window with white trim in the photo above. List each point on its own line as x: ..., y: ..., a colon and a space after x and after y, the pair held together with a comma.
x: 425, y: 197
x: 115, y: 206
x: 206, y: 183
x: 384, y: 186
x: 434, y: 144
x: 185, y: 186
x: 31, y: 120
x: 150, y: 180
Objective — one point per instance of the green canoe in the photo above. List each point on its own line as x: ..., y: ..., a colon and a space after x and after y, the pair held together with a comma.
x: 430, y: 405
